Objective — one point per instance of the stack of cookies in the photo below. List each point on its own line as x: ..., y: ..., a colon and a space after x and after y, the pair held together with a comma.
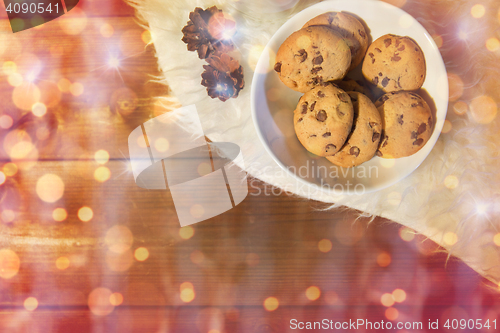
x: 339, y: 118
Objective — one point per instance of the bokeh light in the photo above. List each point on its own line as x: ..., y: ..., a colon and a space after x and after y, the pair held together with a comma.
x: 9, y: 67
x: 15, y: 79
x: 313, y: 293
x: 161, y: 144
x: 39, y: 109
x: 387, y: 300
x: 186, y: 232
x: 271, y: 303
x: 146, y: 37
x: 30, y: 303
x: 25, y: 95
x: 254, y: 56
x: 8, y: 215
x: 451, y: 182
x: 384, y: 259
x: 62, y: 263
x: 492, y: 44
x: 64, y: 85
x: 6, y: 121
x: 406, y: 234
x: 9, y: 264
x: 76, y: 89
x: 325, y: 245
x: 119, y: 262
x: 85, y: 214
x: 447, y: 126
x: 222, y: 26
x: 197, y: 257
x: 477, y: 11
x: 128, y: 42
x: 59, y: 214
x: 496, y: 239
x: 106, y: 30
x: 460, y: 108
x: 331, y: 297
x: 102, y: 174
x: 391, y: 314
x: 50, y: 188
x: 3, y: 177
x: 141, y: 254
x: 116, y: 299
x: 99, y: 302
x: 450, y: 238
x: 10, y: 169
x: 119, y: 239
x: 101, y: 156
x: 483, y: 109
x: 74, y: 22
x: 187, y: 294
x: 399, y: 295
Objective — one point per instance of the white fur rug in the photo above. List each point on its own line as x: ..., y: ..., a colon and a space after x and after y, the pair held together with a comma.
x: 461, y: 219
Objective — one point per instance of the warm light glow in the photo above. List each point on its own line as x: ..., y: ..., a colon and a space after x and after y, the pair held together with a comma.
x: 10, y: 169
x: 15, y: 79
x: 187, y: 292
x: 222, y: 26
x: 399, y: 295
x: 6, y: 121
x: 162, y: 145
x: 463, y: 35
x: 391, y: 314
x: 384, y: 259
x: 325, y: 245
x: 450, y: 238
x: 481, y: 208
x: 30, y: 303
x: 99, y: 302
x: 25, y: 95
x: 483, y: 109
x: 64, y: 85
x: 3, y: 177
x: 456, y: 86
x: 477, y: 11
x: 197, y: 211
x: 388, y: 162
x: 114, y: 62
x: 8, y: 215
x: 74, y: 22
x: 106, y: 30
x: 204, y: 169
x: 313, y: 293
x: 39, y: 109
x: 116, y: 299
x: 496, y: 239
x: 197, y: 257
x: 271, y: 303
x: 141, y: 142
x: 102, y: 174
x: 460, y: 108
x: 59, y: 214
x: 119, y: 262
x: 42, y: 133
x: 62, y: 263
x: 447, y: 126
x: 50, y: 188
x: 85, y: 214
x: 451, y: 182
x: 254, y: 56
x: 387, y: 300
x: 492, y: 44
x: 331, y: 297
x: 119, y: 239
x: 101, y: 156
x: 9, y: 263
x: 76, y: 89
x: 252, y: 259
x: 9, y: 67
x: 146, y: 37
x: 394, y: 198
x: 406, y: 234
x: 141, y: 254
x: 186, y: 232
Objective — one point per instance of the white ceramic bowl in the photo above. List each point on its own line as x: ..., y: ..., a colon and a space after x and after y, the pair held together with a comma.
x: 273, y: 103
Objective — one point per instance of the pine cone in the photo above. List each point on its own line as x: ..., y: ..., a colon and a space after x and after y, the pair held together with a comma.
x: 223, y: 77
x: 197, y: 34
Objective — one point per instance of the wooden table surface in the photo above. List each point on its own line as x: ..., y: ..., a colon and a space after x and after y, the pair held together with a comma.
x: 131, y: 268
